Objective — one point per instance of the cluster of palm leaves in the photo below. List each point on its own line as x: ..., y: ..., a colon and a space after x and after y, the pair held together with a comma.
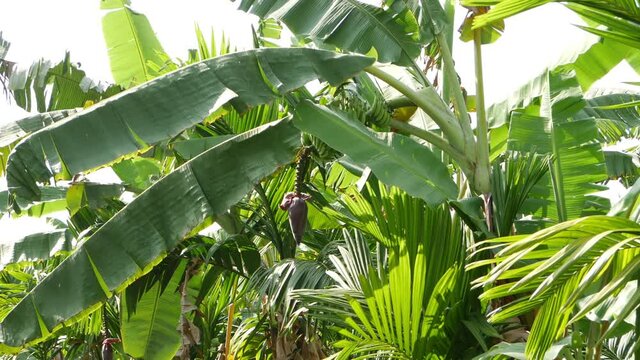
x: 436, y: 228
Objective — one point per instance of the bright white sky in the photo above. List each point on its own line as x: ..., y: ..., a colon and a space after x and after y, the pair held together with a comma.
x: 44, y: 28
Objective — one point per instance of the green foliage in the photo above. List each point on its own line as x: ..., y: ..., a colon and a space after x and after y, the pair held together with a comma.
x: 512, y: 182
x: 406, y: 300
x: 392, y: 33
x: 577, y: 160
x: 151, y: 330
x: 390, y: 156
x: 108, y: 261
x: 35, y: 247
x: 194, y: 92
x: 70, y: 87
x: 191, y: 255
x: 591, y: 257
x: 131, y: 43
x: 589, y: 64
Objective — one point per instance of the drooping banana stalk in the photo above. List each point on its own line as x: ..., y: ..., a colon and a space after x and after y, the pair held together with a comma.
x: 107, y: 343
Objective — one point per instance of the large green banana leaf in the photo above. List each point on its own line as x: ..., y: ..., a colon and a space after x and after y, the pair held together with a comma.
x: 165, y: 106
x: 578, y: 161
x: 394, y: 158
x: 38, y: 246
x: 394, y: 32
x: 589, y: 64
x: 44, y: 87
x: 151, y: 331
x: 131, y: 43
x: 15, y: 130
x: 142, y: 233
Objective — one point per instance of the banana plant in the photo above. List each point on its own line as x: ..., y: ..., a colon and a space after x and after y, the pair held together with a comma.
x: 135, y: 134
x: 161, y: 232
x: 209, y: 141
x: 196, y: 91
x: 131, y: 43
x: 397, y: 38
x: 275, y: 64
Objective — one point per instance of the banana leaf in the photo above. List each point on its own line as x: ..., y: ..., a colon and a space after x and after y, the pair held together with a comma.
x: 394, y: 32
x: 45, y: 87
x: 577, y: 159
x: 162, y: 108
x: 590, y: 63
x: 34, y: 247
x: 621, y: 164
x: 137, y: 238
x: 15, y: 130
x: 394, y: 158
x: 151, y: 331
x: 71, y: 88
x: 53, y: 199
x: 139, y: 173
x: 131, y: 43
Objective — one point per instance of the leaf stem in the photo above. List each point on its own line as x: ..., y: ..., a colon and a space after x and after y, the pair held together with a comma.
x: 450, y: 11
x: 430, y: 137
x: 232, y: 307
x: 482, y: 174
x: 636, y: 349
x: 458, y: 98
x: 427, y: 102
x: 397, y: 102
x: 592, y: 337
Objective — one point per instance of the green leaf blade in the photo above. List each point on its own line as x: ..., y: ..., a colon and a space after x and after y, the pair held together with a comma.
x: 395, y: 159
x: 351, y: 25
x: 143, y: 232
x: 131, y: 44
x: 165, y: 106
x: 151, y: 331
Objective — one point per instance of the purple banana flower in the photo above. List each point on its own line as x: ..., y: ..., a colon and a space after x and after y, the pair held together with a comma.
x: 107, y: 348
x: 296, y: 205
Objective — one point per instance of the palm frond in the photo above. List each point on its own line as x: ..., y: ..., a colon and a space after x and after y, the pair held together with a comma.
x: 555, y: 268
x: 511, y: 184
x: 279, y: 281
x: 397, y: 298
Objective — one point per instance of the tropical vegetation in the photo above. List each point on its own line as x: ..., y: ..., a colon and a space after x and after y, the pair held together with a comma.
x: 322, y: 197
